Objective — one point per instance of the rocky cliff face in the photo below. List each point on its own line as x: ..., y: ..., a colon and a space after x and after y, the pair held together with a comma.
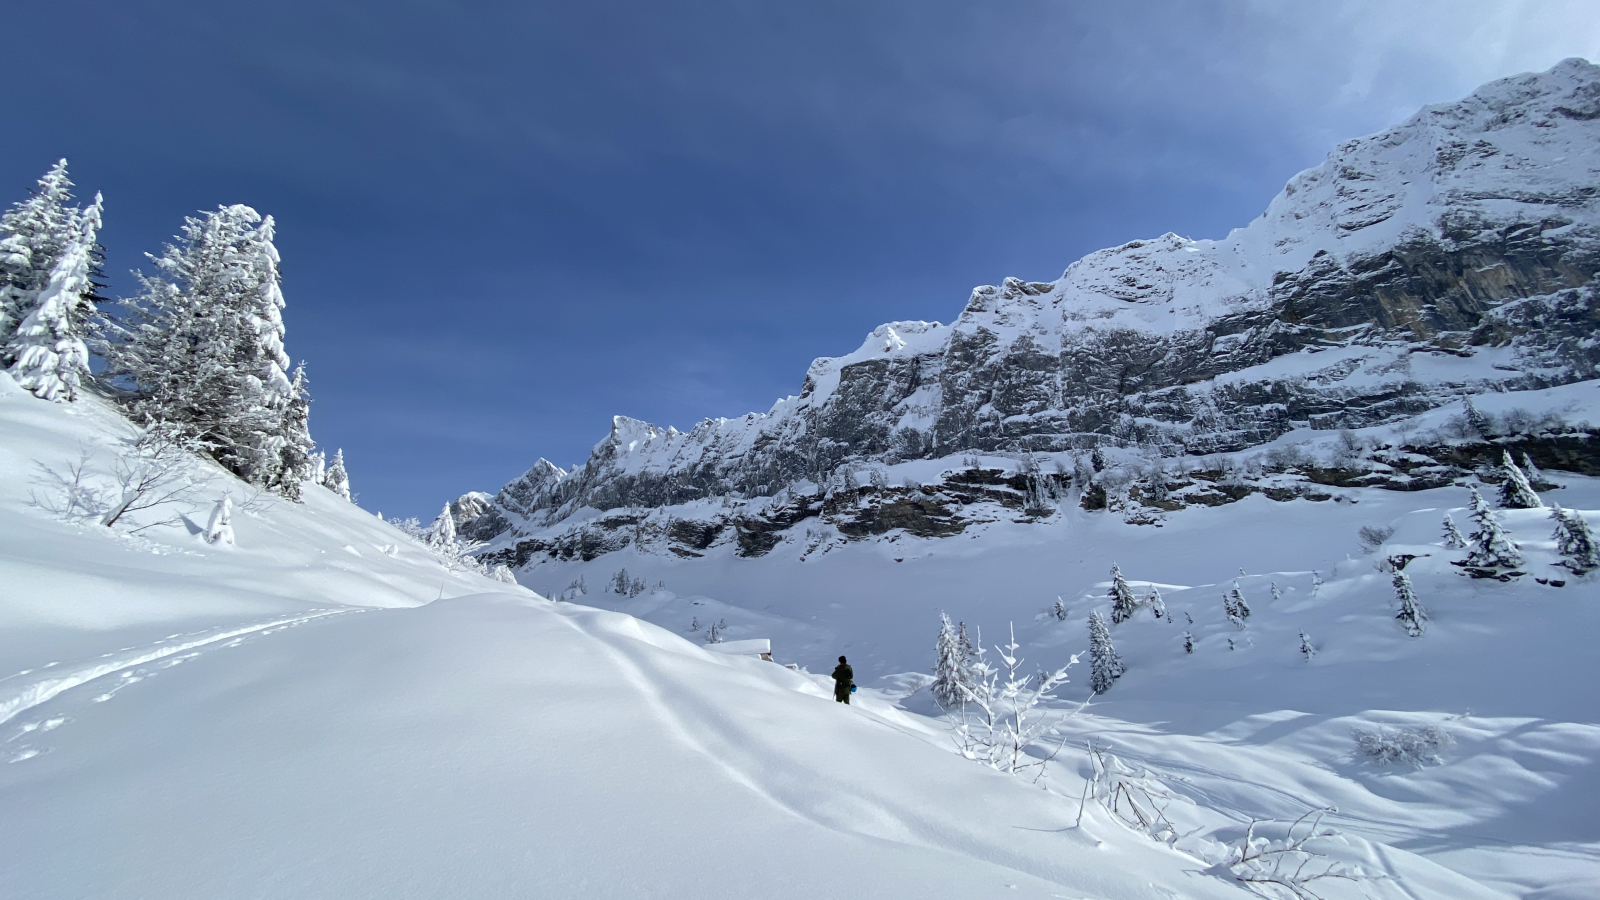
x: 1453, y: 254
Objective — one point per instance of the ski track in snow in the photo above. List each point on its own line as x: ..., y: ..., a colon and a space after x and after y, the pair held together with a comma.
x: 127, y: 664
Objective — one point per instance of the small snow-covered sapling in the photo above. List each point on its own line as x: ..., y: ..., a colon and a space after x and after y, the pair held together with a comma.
x: 1410, y: 615
x: 1105, y: 666
x: 1123, y: 603
x: 1515, y: 491
x: 1490, y: 547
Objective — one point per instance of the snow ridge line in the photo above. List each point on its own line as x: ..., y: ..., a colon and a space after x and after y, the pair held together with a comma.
x: 42, y: 691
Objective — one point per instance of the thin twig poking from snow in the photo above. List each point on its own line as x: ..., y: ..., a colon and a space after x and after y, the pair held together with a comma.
x: 1289, y: 865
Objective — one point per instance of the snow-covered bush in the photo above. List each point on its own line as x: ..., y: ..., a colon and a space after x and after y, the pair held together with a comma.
x: 220, y: 529
x: 1157, y: 605
x: 155, y: 472
x: 1130, y: 795
x: 997, y: 722
x: 1286, y: 866
x: 1421, y: 745
x: 1374, y: 536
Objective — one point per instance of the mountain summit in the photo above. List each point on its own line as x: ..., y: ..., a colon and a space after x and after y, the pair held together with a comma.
x: 1453, y: 254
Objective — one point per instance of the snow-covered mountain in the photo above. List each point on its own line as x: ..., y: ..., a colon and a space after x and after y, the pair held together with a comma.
x: 306, y: 701
x: 1450, y: 255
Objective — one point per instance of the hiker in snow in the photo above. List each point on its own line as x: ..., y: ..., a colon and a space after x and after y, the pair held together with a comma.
x: 843, y: 681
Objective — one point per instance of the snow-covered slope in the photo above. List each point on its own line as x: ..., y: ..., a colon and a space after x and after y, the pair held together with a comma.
x: 1244, y: 725
x: 1449, y: 255
x: 297, y: 716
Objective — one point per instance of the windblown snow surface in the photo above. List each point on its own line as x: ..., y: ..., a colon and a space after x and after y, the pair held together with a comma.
x: 1247, y: 729
x: 325, y: 711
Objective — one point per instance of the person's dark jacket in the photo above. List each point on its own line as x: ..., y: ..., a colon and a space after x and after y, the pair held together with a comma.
x: 844, y: 678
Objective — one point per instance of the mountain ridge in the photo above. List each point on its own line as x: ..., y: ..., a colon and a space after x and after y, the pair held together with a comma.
x: 1470, y: 232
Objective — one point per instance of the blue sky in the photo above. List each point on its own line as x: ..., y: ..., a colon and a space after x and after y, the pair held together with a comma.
x: 504, y: 222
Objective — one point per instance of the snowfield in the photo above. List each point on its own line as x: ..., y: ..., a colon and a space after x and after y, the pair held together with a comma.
x: 299, y: 716
x: 325, y: 710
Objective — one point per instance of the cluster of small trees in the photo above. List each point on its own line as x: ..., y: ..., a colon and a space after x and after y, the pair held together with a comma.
x: 1490, y: 551
x: 198, y: 352
x: 626, y: 585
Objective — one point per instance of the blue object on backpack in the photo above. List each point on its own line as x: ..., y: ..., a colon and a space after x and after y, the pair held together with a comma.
x: 852, y: 689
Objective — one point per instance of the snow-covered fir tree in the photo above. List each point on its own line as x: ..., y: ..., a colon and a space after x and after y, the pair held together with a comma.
x: 48, y: 353
x: 1157, y: 605
x: 1489, y: 546
x: 33, y: 235
x: 1410, y: 614
x: 1316, y: 582
x: 1536, y: 476
x: 1476, y: 420
x: 1188, y: 642
x: 950, y: 671
x: 1515, y: 491
x: 970, y: 644
x: 442, y: 533
x: 714, y: 633
x: 1059, y: 610
x: 1105, y: 666
x: 292, y: 437
x: 1123, y: 603
x: 1231, y: 612
x: 1575, y: 541
x: 1306, y: 650
x: 335, y: 478
x: 1453, y: 538
x: 1277, y: 593
x: 201, y: 348
x: 1233, y: 604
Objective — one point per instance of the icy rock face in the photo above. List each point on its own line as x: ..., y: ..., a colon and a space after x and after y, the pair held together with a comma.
x: 1471, y: 226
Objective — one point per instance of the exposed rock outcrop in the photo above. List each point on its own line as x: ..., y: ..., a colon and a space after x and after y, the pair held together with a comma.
x: 1453, y: 254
